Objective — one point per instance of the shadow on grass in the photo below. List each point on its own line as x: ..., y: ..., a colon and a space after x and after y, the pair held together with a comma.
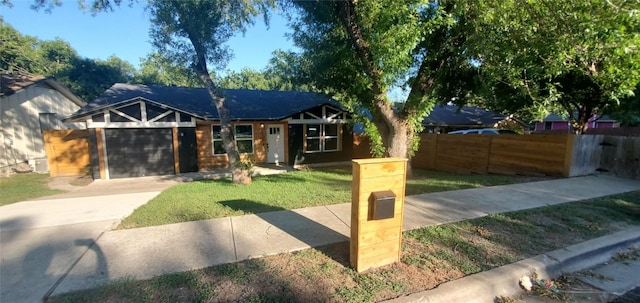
x: 249, y: 207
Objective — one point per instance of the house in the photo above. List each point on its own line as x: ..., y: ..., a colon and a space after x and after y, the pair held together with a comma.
x: 140, y: 130
x: 446, y: 118
x: 28, y: 106
x: 556, y: 123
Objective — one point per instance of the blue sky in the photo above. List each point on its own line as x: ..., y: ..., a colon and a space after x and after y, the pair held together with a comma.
x: 125, y: 33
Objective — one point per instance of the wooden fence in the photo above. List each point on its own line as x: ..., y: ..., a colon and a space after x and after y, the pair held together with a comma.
x: 67, y: 152
x: 500, y: 154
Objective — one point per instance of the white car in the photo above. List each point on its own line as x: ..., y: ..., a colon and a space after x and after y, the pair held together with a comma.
x: 485, y: 131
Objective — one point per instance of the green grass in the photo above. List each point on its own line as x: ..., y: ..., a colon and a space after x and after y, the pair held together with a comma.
x: 524, y: 233
x: 430, y: 256
x: 220, y: 198
x: 209, y: 199
x: 23, y: 187
x: 428, y: 181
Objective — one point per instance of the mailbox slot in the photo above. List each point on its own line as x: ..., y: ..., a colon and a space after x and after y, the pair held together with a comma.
x: 382, y: 205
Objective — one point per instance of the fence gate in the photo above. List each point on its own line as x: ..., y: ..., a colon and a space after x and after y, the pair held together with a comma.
x: 67, y: 152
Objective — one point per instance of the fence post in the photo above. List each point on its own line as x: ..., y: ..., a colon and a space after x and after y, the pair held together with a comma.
x: 568, y: 156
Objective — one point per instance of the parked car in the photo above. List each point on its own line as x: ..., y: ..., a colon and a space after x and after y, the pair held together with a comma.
x: 485, y: 131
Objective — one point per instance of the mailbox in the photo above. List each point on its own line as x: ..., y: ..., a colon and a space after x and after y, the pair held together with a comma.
x: 381, y: 205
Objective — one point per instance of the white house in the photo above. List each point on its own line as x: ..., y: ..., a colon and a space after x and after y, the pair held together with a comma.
x: 29, y: 105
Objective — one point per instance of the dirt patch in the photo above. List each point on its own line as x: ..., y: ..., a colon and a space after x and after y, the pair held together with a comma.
x: 71, y: 183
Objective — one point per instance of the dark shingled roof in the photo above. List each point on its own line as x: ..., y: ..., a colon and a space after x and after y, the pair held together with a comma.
x: 468, y: 115
x: 10, y: 83
x: 243, y: 104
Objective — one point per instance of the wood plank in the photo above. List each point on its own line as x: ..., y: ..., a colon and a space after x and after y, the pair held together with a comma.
x: 379, y: 235
x: 67, y: 152
x: 376, y: 242
x: 176, y: 150
x: 101, y: 156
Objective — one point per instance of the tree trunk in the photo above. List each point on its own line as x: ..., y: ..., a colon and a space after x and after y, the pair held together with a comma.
x: 239, y: 175
x: 396, y: 138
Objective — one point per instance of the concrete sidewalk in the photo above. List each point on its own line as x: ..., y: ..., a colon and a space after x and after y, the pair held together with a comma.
x: 146, y: 252
x: 42, y: 256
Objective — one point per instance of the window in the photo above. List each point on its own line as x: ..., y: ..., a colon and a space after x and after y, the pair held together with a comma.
x: 322, y: 137
x: 244, y: 139
x: 548, y: 125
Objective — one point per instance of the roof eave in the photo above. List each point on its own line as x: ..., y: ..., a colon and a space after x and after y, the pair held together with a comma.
x: 64, y: 91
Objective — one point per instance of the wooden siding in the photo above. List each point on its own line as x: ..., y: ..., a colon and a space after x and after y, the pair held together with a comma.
x: 206, y: 158
x: 501, y: 154
x: 67, y: 152
x: 361, y: 147
x: 344, y: 152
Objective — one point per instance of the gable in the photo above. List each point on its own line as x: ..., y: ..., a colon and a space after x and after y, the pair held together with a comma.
x: 326, y: 114
x: 139, y: 113
x: 243, y: 104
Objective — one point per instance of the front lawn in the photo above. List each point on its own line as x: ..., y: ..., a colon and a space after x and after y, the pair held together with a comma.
x: 209, y: 199
x: 430, y: 256
x: 22, y: 187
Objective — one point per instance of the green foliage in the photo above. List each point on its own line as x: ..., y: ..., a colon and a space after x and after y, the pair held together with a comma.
x: 88, y: 78
x: 85, y: 77
x: 156, y: 68
x: 359, y: 51
x: 628, y: 111
x: 581, y: 56
x: 18, y: 53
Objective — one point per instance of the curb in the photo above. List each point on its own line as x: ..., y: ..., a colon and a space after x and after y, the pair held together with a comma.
x: 503, y: 281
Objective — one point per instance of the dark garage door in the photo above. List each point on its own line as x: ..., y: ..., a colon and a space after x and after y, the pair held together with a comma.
x: 139, y: 152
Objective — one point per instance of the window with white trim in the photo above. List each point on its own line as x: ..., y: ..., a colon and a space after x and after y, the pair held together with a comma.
x: 244, y: 139
x: 322, y: 138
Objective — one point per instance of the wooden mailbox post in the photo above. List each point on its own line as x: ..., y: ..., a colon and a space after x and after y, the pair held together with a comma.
x: 377, y: 204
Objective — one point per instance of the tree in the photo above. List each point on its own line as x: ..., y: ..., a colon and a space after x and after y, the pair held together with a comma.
x: 158, y: 69
x: 86, y: 77
x: 628, y: 112
x: 248, y: 79
x: 285, y: 68
x: 26, y: 54
x: 194, y: 32
x: 360, y: 50
x: 282, y: 73
x: 580, y: 56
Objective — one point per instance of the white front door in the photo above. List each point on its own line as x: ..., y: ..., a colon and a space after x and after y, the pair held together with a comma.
x: 275, y: 144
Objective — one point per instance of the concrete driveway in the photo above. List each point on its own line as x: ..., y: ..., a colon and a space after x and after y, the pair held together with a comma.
x: 41, y: 240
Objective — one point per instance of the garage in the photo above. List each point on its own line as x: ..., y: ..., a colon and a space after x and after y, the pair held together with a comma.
x: 139, y: 152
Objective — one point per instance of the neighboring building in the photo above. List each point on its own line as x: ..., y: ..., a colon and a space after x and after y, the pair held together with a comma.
x: 139, y: 130
x: 555, y: 123
x: 29, y: 105
x: 446, y: 118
